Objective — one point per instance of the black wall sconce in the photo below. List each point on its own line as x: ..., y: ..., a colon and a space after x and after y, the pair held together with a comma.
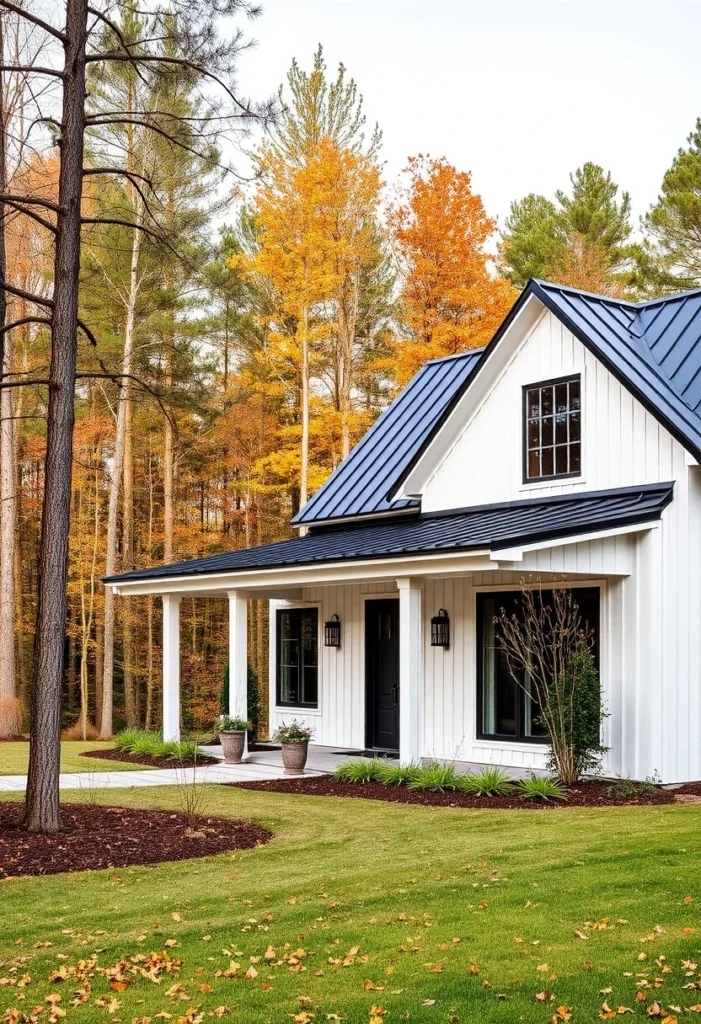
x: 440, y: 629
x: 332, y: 632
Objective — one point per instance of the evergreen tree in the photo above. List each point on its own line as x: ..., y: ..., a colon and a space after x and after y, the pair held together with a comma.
x: 674, y: 222
x: 582, y: 239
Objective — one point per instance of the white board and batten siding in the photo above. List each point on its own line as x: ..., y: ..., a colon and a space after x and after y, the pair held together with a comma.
x: 650, y: 581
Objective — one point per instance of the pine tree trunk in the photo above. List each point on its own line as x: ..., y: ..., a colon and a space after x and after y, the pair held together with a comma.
x: 99, y: 672
x: 42, y: 800
x: 115, y: 482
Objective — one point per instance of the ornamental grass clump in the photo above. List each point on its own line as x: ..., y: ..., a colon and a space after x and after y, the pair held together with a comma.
x: 436, y: 778
x: 534, y: 788
x: 360, y: 770
x: 392, y: 773
x: 142, y: 743
x: 488, y: 782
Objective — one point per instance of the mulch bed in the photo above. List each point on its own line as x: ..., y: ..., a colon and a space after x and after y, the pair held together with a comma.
x: 95, y: 837
x: 587, y: 794
x: 152, y: 762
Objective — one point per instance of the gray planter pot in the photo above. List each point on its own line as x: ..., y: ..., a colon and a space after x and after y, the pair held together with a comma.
x: 233, y: 744
x: 294, y: 757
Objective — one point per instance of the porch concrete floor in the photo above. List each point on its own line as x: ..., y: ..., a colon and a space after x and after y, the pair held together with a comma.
x: 323, y: 760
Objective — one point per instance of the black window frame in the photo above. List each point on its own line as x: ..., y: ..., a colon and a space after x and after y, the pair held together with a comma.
x: 479, y: 615
x: 298, y: 613
x: 553, y: 382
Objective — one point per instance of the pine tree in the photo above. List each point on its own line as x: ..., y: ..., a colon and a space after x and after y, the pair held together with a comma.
x: 674, y: 222
x: 582, y: 239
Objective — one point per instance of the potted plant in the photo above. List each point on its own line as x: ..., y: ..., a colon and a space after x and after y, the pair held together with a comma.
x: 294, y: 741
x: 232, y: 733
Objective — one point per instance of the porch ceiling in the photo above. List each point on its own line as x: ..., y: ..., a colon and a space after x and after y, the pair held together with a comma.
x: 464, y: 540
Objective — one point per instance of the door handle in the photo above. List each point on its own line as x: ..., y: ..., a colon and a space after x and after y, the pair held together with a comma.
x: 395, y: 689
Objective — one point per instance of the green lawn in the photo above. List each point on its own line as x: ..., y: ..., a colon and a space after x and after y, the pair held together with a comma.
x: 411, y: 900
x: 14, y: 758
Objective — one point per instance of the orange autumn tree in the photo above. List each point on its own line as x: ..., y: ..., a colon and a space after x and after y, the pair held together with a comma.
x: 440, y: 230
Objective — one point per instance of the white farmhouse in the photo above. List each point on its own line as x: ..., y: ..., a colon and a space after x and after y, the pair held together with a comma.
x: 568, y: 450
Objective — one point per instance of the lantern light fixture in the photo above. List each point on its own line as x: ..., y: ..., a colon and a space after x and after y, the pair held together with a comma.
x: 332, y: 632
x: 440, y: 629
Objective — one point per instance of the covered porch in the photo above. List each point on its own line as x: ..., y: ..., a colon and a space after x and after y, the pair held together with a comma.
x: 385, y: 685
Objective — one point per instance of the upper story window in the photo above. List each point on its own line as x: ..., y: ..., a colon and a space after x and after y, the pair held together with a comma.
x: 552, y: 429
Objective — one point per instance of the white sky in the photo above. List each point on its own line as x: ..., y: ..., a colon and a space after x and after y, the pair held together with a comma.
x: 520, y: 92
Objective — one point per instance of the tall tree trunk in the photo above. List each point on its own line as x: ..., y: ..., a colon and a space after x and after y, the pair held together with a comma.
x: 347, y: 317
x: 10, y: 707
x: 87, y: 615
x: 42, y: 800
x: 99, y: 671
x: 168, y: 514
x: 304, y: 470
x: 131, y: 703
x: 115, y: 482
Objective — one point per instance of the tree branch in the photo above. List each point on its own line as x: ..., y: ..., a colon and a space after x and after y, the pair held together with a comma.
x: 25, y: 320
x: 124, y: 224
x: 27, y: 69
x: 24, y: 13
x: 30, y: 213
x: 21, y: 294
x: 10, y: 197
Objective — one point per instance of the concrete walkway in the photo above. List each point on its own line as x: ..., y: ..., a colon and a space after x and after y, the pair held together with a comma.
x: 257, y: 767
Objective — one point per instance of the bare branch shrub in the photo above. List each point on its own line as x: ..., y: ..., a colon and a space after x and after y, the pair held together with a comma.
x: 549, y: 652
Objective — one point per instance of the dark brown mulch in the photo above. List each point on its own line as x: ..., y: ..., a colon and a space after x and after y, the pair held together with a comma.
x: 587, y: 794
x: 96, y: 837
x: 152, y: 762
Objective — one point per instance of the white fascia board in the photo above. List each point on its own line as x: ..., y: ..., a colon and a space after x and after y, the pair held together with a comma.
x: 489, y: 373
x: 276, y: 581
x: 516, y: 554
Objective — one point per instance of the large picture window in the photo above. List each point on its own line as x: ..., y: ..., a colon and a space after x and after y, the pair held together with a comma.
x: 297, y: 657
x: 505, y: 711
x: 552, y: 414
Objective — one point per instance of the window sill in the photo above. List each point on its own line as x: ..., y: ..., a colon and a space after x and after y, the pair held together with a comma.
x: 512, y: 744
x: 556, y: 481
x: 289, y: 709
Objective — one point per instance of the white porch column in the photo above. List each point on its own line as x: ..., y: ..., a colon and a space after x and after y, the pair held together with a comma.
x: 171, y: 667
x: 238, y: 655
x: 410, y: 668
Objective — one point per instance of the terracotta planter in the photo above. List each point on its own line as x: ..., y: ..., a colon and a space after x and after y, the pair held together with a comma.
x: 294, y: 757
x: 233, y: 744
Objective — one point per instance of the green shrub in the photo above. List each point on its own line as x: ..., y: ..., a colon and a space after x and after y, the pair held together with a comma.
x: 488, y: 782
x: 362, y: 770
x: 142, y: 743
x: 534, y: 788
x: 392, y: 773
x: 435, y: 778
x: 624, y: 789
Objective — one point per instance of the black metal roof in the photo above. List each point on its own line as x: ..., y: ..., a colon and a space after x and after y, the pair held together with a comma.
x: 653, y: 348
x: 494, y: 527
x: 362, y: 482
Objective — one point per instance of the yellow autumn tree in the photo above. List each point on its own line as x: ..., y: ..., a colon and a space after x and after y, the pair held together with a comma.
x: 315, y: 232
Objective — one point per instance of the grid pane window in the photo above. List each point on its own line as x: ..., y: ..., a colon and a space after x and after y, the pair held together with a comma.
x: 297, y: 657
x: 553, y: 429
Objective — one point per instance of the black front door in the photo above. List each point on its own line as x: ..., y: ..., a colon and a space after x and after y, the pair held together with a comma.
x: 382, y: 674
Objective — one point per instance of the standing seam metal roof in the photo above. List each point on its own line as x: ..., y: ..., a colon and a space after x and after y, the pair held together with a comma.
x: 494, y: 527
x: 362, y: 482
